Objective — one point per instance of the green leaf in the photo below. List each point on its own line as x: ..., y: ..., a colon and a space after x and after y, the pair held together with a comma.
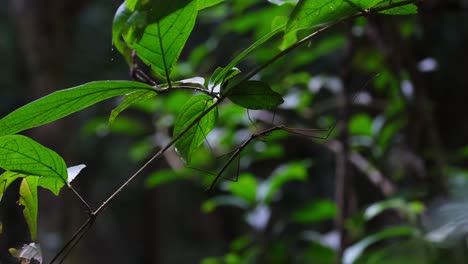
x: 133, y: 4
x: 255, y: 95
x: 161, y: 177
x: 7, y: 178
x: 28, y: 198
x: 245, y: 187
x: 23, y: 155
x: 164, y: 38
x: 194, y: 137
x: 361, y: 124
x: 220, y: 76
x: 315, y: 212
x: 352, y: 253
x: 64, y: 102
x: 222, y: 200
x: 227, y: 76
x: 202, y: 4
x: 129, y: 100
x: 377, y: 208
x: 119, y: 24
x: 288, y: 172
x: 409, y: 9
x: 311, y: 13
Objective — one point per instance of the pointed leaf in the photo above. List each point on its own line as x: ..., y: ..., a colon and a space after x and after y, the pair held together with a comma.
x: 164, y: 39
x: 195, y: 136
x: 64, y: 102
x: 23, y: 155
x: 255, y: 95
x: 311, y: 13
x: 7, y: 178
x: 129, y: 100
x: 202, y: 4
x: 118, y: 26
x: 28, y: 198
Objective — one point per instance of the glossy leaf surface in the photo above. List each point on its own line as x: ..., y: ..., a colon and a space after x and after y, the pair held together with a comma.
x: 195, y: 136
x: 64, y: 102
x: 28, y: 199
x: 255, y: 95
x: 23, y: 155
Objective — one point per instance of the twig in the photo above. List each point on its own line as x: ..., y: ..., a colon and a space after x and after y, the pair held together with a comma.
x: 83, y: 201
x: 236, y: 153
x: 106, y: 203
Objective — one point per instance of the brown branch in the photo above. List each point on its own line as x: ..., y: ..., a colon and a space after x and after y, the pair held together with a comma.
x: 85, y: 227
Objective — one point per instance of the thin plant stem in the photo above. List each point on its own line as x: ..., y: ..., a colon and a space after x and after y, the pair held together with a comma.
x: 77, y: 236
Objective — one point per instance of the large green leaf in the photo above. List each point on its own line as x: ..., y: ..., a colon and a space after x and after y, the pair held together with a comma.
x: 254, y: 95
x: 23, y: 155
x: 194, y: 137
x: 28, y: 198
x: 64, y: 102
x: 311, y: 13
x: 7, y: 178
x: 165, y: 35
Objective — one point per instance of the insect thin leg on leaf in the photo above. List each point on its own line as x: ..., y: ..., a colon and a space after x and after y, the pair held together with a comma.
x: 250, y: 119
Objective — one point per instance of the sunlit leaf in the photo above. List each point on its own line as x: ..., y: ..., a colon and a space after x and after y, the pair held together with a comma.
x: 23, y: 155
x: 7, y: 178
x: 312, y: 13
x: 255, y: 95
x: 28, y: 199
x: 195, y: 136
x: 245, y: 187
x: 202, y: 4
x: 170, y: 24
x: 64, y: 102
x: 360, y: 124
